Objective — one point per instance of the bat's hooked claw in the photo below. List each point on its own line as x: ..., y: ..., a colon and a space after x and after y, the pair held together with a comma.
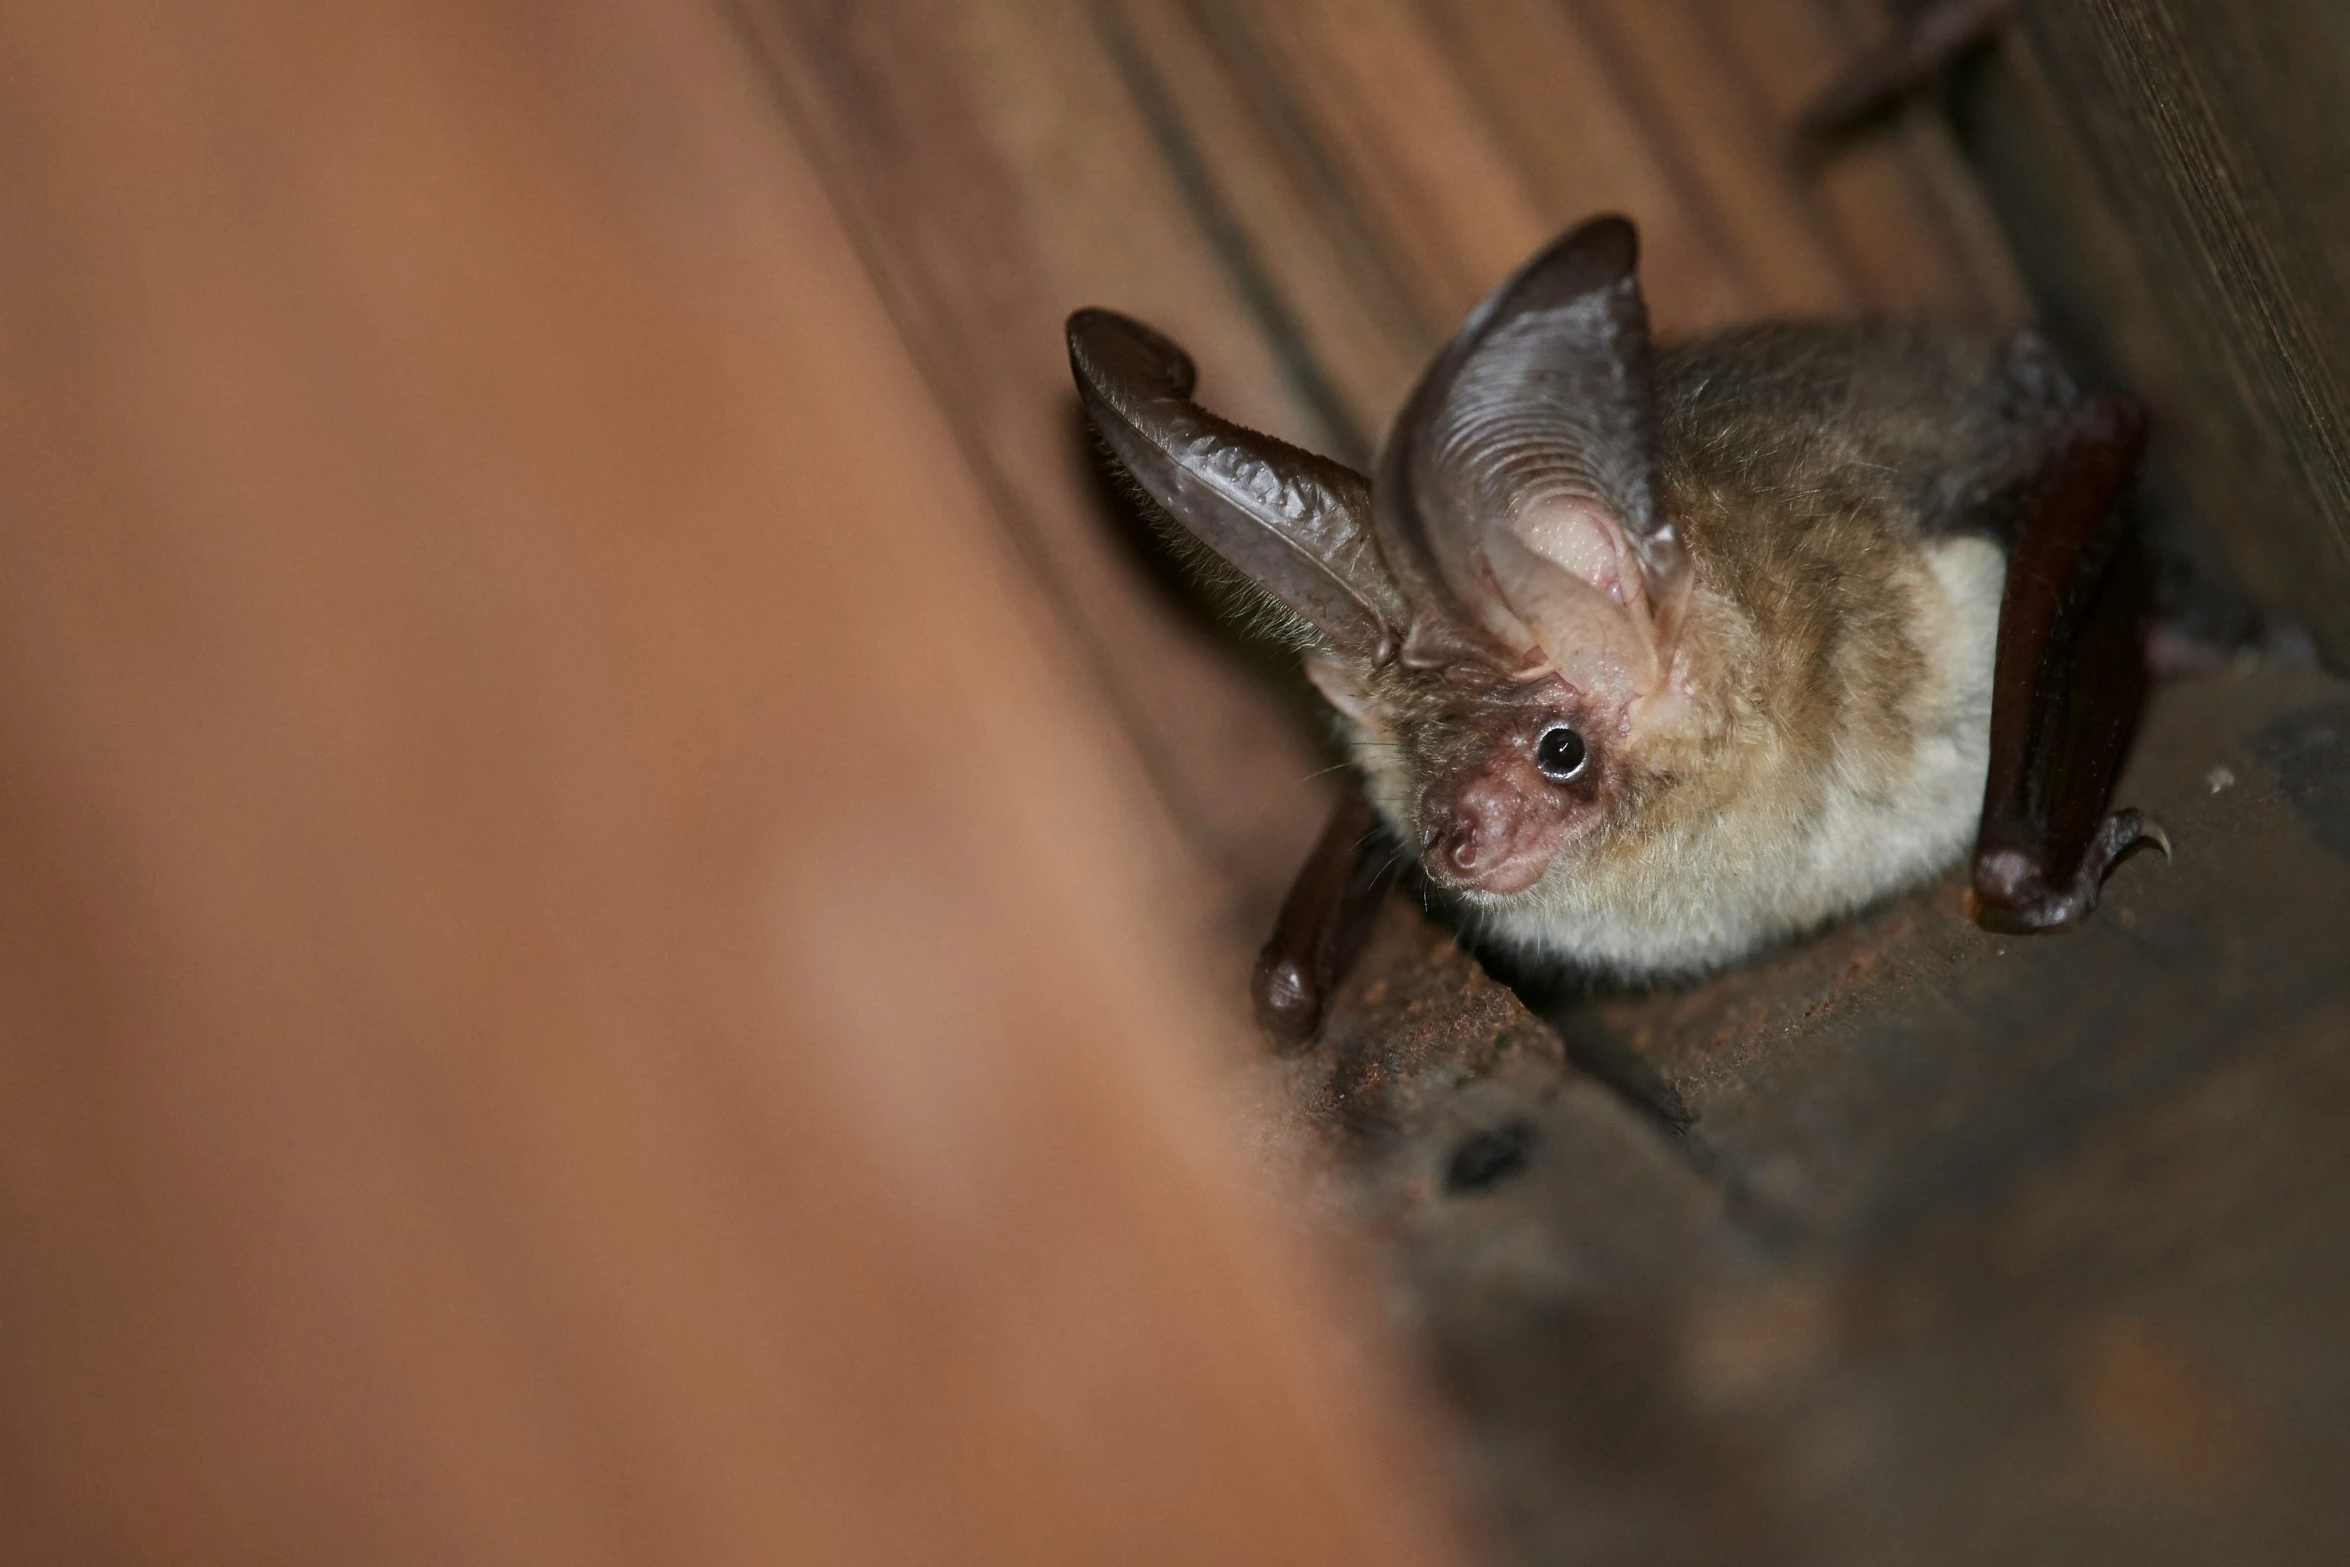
x: 2012, y: 895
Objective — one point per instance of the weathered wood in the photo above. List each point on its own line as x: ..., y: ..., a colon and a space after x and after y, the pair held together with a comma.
x: 996, y: 173
x: 2175, y: 177
x: 1975, y: 1248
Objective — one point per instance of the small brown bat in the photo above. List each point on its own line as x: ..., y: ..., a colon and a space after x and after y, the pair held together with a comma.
x: 1658, y: 658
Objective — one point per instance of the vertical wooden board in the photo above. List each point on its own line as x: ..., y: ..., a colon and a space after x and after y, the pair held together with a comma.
x: 2171, y: 180
x: 1732, y: 144
x: 1910, y: 235
x: 1580, y: 144
x: 998, y: 175
x: 576, y: 982
x: 2203, y: 135
x: 2088, y: 277
x: 1448, y: 199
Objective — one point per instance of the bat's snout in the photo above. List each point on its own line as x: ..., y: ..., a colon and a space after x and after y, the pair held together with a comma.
x: 1484, y: 840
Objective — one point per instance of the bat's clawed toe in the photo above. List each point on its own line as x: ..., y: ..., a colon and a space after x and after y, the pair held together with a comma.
x: 2122, y: 832
x: 2013, y: 895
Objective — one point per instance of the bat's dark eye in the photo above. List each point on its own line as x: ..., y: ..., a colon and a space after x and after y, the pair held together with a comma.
x: 1560, y: 753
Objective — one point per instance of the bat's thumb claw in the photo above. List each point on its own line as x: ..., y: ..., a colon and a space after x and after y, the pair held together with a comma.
x: 1289, y: 1002
x: 2151, y: 832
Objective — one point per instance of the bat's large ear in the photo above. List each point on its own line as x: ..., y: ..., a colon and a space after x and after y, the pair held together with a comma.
x: 1517, y: 494
x: 1296, y: 524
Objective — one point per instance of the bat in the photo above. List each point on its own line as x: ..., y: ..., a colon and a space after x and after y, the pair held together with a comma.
x: 1656, y: 657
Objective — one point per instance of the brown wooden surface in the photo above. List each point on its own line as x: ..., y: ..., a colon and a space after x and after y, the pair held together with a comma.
x: 585, y: 973
x: 1973, y: 1248
x: 2175, y: 175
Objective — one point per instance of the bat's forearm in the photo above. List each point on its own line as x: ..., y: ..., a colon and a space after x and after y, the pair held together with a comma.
x: 2069, y: 682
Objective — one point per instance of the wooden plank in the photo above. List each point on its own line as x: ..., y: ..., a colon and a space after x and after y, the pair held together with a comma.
x: 579, y: 978
x: 997, y: 176
x: 1910, y: 1243
x: 1292, y: 219
x: 1578, y: 139
x: 1439, y: 185
x: 2171, y: 174
x: 1705, y: 103
x: 1908, y: 227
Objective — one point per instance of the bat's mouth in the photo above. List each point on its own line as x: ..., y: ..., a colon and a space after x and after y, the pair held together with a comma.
x: 1491, y: 888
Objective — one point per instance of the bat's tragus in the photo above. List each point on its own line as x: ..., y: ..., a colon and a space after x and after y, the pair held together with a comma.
x: 1657, y: 657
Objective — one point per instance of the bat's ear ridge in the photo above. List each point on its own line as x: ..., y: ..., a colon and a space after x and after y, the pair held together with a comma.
x: 1297, y: 525
x: 1529, y: 446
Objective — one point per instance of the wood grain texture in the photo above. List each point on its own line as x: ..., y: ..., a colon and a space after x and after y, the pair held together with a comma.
x: 2173, y: 174
x: 583, y: 977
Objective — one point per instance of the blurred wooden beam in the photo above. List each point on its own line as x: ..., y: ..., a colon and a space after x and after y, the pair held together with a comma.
x: 579, y: 978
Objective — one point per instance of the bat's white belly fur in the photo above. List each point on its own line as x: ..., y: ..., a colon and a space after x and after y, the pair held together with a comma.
x: 1702, y: 894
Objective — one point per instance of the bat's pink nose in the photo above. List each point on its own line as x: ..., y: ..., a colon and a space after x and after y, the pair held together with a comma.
x: 1477, y: 842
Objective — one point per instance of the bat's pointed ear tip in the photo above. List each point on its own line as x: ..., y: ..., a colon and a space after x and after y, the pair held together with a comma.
x: 1090, y: 321
x: 1598, y: 253
x: 1610, y: 242
x: 1109, y: 347
x: 1618, y: 229
x: 1092, y: 326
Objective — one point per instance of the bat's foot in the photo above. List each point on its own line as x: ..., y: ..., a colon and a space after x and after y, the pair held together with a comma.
x: 1919, y: 49
x: 2013, y: 896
